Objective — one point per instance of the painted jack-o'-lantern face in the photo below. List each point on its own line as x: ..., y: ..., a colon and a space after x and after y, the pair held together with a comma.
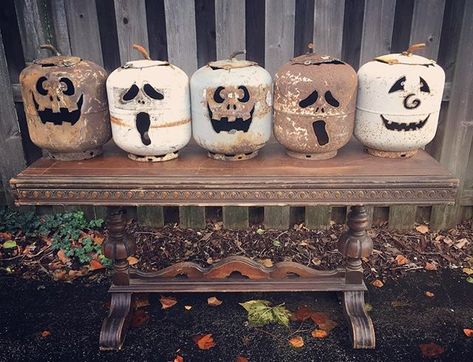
x: 314, y: 103
x: 56, y: 99
x: 230, y: 108
x: 142, y: 98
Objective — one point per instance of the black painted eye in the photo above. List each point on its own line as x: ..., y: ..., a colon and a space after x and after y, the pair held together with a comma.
x: 131, y: 93
x: 424, y: 87
x: 39, y: 86
x: 331, y: 99
x: 153, y: 93
x: 246, y: 94
x: 311, y: 99
x: 217, y: 97
x: 69, y: 91
x: 399, y: 85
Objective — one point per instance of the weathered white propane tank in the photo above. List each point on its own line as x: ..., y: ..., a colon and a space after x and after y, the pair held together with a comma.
x: 149, y: 108
x: 399, y: 98
x: 231, y: 108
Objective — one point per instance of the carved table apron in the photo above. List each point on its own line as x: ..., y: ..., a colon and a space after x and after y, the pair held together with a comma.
x: 352, y: 178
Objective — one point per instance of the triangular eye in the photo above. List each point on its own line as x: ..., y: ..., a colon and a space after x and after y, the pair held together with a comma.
x: 424, y: 87
x: 131, y: 93
x: 399, y: 85
x: 151, y: 92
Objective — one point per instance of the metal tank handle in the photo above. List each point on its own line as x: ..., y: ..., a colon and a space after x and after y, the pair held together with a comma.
x: 413, y: 48
x: 51, y: 48
x: 235, y: 53
x: 142, y: 51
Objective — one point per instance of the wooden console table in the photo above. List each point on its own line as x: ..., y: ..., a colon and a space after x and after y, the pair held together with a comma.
x: 352, y: 178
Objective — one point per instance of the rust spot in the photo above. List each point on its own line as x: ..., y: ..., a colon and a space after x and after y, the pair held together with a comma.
x: 123, y: 123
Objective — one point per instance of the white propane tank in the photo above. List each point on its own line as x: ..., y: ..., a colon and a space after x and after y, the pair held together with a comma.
x: 231, y: 108
x: 399, y: 98
x: 149, y: 108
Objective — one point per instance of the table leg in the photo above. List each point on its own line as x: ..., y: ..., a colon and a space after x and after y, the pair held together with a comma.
x: 118, y: 248
x: 354, y: 245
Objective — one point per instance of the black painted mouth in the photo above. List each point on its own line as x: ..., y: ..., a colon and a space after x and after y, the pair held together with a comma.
x: 412, y: 126
x: 320, y: 132
x: 58, y: 118
x: 223, y: 125
x: 142, y: 125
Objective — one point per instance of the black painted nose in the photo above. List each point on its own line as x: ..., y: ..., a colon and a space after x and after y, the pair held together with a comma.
x: 410, y: 103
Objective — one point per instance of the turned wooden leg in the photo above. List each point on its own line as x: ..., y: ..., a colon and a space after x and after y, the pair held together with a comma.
x: 354, y: 245
x: 118, y: 248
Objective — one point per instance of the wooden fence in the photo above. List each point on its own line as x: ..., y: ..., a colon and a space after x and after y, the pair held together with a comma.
x: 190, y: 33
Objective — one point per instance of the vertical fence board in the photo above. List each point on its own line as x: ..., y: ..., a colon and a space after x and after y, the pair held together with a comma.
x: 426, y: 26
x: 254, y: 29
x: 229, y: 27
x: 11, y: 148
x: 279, y: 45
x: 318, y: 217
x: 192, y: 217
x: 131, y: 27
x: 205, y: 31
x: 150, y: 216
x: 304, y: 26
x: 84, y: 31
x: 328, y: 27
x: 277, y: 217
x: 236, y: 217
x: 60, y: 27
x: 180, y: 30
x: 377, y: 31
x: 352, y: 30
x: 402, y: 217
x: 156, y: 23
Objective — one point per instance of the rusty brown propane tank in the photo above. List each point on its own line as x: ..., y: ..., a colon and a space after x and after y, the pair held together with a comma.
x: 66, y: 106
x: 314, y: 106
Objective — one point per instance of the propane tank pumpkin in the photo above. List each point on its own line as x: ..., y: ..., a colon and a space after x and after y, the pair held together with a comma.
x: 399, y: 98
x: 231, y: 108
x: 149, y: 108
x: 314, y: 106
x: 66, y: 106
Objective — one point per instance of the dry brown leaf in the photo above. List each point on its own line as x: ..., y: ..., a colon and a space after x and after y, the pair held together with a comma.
x: 45, y: 333
x: 423, y: 229
x: 59, y: 275
x: 429, y: 294
x: 296, y: 342
x: 241, y: 359
x: 377, y: 283
x: 268, y: 263
x: 468, y: 332
x: 62, y: 257
x: 302, y: 313
x: 328, y: 325
x: 95, y: 265
x: 132, y: 260
x: 319, y: 317
x: 5, y: 236
x: 461, y: 243
x: 319, y: 333
x: 430, y: 266
x: 218, y: 226
x: 167, y: 302
x: 204, y: 341
x: 98, y: 238
x: 178, y: 359
x: 139, y: 318
x: 401, y: 260
x: 140, y: 300
x: 467, y: 271
x: 431, y: 350
x: 214, y: 301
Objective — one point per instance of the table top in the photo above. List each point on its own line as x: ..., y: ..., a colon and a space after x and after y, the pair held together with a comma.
x: 272, y: 178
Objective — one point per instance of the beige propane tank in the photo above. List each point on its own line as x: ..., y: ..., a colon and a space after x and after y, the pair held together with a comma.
x: 149, y: 108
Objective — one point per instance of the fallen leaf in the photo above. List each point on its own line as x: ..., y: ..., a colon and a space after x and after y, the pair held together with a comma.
x: 241, y: 359
x: 461, y: 243
x: 140, y: 300
x: 214, y: 301
x: 328, y: 325
x: 319, y: 317
x: 267, y: 263
x: 132, y: 260
x: 59, y: 275
x: 469, y: 280
x: 468, y: 332
x: 45, y: 333
x: 429, y: 294
x: 377, y: 283
x: 95, y: 265
x: 9, y: 244
x: 98, y: 239
x: 296, y: 342
x: 301, y: 314
x: 368, y: 307
x: 218, y: 225
x: 139, y: 318
x: 167, y: 302
x: 430, y: 266
x: 204, y: 341
x: 422, y: 229
x: 399, y: 304
x: 276, y: 243
x: 319, y: 333
x: 468, y: 271
x: 178, y: 359
x: 260, y: 231
x: 187, y: 307
x: 5, y: 236
x: 261, y: 313
x: 431, y: 350
x: 401, y: 260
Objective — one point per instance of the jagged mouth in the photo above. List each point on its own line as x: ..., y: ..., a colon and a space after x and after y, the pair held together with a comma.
x: 320, y: 132
x: 412, y: 126
x: 142, y: 125
x: 223, y: 125
x: 58, y: 118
